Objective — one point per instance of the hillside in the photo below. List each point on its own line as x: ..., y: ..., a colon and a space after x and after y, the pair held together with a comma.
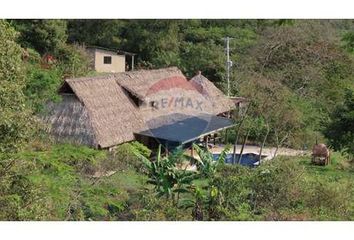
x: 297, y: 75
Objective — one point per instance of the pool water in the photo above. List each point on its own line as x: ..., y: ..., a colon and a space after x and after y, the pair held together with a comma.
x: 248, y: 159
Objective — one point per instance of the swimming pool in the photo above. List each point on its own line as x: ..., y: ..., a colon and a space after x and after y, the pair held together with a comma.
x: 248, y: 159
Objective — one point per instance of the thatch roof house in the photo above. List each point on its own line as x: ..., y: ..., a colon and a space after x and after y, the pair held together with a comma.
x: 104, y: 111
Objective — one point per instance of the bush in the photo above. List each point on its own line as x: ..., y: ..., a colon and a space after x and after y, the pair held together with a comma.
x: 123, y: 157
x: 17, y: 126
x: 83, y: 159
x: 73, y: 61
x: 42, y: 86
x: 329, y: 200
x: 148, y: 207
x: 283, y: 189
x: 61, y: 175
x: 248, y: 192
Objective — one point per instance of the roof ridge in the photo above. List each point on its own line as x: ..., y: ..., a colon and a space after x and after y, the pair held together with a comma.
x: 87, y: 78
x: 130, y: 73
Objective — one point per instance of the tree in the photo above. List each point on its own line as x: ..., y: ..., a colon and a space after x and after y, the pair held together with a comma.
x: 16, y: 119
x: 104, y: 33
x: 157, y: 42
x: 340, y: 130
x: 45, y: 36
x: 17, y: 195
x: 348, y: 40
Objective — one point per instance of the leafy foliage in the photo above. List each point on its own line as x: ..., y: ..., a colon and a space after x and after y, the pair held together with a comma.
x: 284, y: 189
x: 41, y: 86
x: 73, y: 61
x: 124, y: 157
x: 45, y: 36
x: 340, y: 131
x: 18, y: 197
x: 62, y: 178
x: 168, y: 179
x: 206, y: 163
x: 16, y: 122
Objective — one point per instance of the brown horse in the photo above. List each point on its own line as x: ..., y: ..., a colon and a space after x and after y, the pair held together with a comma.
x: 320, y: 154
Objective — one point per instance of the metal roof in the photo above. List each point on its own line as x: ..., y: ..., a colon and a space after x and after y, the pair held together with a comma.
x: 188, y: 129
x: 117, y: 51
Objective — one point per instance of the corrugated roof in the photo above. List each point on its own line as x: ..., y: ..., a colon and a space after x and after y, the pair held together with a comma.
x: 114, y: 50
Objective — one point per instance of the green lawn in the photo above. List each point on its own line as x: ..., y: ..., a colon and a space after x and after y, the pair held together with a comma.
x: 339, y: 168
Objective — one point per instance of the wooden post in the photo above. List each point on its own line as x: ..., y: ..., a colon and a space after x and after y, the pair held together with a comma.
x: 166, y: 149
x: 132, y: 62
x: 226, y: 136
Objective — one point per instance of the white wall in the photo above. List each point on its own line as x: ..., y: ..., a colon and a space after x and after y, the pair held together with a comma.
x: 117, y: 64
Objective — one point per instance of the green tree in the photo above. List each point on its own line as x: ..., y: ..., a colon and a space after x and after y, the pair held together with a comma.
x: 104, y: 33
x: 348, y: 40
x: 45, y: 36
x: 15, y: 121
x: 340, y: 130
x: 17, y: 195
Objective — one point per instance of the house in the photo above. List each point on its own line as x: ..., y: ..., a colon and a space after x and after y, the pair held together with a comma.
x: 152, y: 106
x: 108, y: 60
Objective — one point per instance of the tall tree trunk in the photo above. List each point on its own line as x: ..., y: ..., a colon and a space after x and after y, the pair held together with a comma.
x: 243, y: 146
x: 234, y: 151
x: 237, y: 134
x: 279, y: 143
x: 197, y: 211
x: 262, y: 146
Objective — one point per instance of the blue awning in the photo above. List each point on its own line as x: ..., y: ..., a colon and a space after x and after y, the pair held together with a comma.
x: 185, y: 129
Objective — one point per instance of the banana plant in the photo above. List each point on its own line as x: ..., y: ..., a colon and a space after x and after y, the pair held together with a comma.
x: 168, y: 179
x: 202, y: 201
x: 206, y: 163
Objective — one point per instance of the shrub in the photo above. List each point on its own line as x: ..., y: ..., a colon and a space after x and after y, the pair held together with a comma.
x: 250, y: 193
x: 329, y: 200
x: 151, y: 208
x: 42, y: 86
x: 73, y: 61
x: 62, y: 176
x: 123, y: 157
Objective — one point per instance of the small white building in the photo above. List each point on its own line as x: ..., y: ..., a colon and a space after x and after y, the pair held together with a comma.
x: 109, y: 60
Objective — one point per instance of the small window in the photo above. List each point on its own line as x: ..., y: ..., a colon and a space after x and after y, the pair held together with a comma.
x: 107, y: 60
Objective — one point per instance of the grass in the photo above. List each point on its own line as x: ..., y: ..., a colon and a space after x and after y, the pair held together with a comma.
x: 129, y: 180
x: 339, y: 168
x: 61, y: 171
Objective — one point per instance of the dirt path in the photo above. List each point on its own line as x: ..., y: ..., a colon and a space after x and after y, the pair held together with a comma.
x: 269, y: 152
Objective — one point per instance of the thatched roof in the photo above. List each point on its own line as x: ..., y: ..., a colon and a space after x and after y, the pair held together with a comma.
x: 70, y: 120
x: 112, y: 112
x: 220, y: 102
x: 140, y: 82
x: 114, y: 116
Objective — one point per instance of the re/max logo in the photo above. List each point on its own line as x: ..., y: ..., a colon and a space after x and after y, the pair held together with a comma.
x: 177, y: 102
